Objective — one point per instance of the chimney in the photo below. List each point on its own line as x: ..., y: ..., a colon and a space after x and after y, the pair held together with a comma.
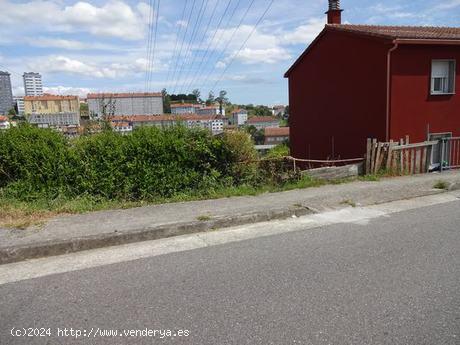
x: 334, y: 14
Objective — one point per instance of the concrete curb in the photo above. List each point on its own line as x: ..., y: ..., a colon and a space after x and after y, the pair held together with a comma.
x: 56, y: 247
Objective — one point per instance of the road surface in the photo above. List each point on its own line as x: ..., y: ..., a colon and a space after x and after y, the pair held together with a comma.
x: 391, y: 279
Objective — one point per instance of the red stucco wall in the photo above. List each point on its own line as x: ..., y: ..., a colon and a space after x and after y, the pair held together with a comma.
x: 412, y: 106
x: 337, y: 93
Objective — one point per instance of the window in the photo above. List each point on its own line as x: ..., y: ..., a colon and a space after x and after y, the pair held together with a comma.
x: 442, y: 77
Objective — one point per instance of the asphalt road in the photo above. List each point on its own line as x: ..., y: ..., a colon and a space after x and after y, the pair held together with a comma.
x: 392, y: 280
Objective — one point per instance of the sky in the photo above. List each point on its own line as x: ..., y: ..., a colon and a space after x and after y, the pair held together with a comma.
x: 241, y: 46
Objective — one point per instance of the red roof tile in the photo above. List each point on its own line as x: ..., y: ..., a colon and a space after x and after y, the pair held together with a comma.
x: 402, y: 32
x: 48, y: 97
x: 257, y: 119
x: 165, y: 117
x: 407, y: 34
x: 277, y: 132
x: 185, y: 105
x: 124, y: 95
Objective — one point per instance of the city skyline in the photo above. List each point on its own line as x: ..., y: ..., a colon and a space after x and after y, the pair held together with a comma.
x: 101, y: 46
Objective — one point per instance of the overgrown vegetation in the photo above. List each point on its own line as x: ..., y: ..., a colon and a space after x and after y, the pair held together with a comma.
x: 43, y: 174
x: 441, y: 185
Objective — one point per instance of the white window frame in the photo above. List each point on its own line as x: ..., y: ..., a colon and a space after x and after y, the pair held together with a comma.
x: 452, y: 74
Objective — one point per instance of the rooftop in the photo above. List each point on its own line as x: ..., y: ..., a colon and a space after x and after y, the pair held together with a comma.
x: 124, y: 95
x: 276, y: 132
x: 401, y: 32
x: 257, y: 119
x: 185, y: 105
x: 166, y: 117
x: 3, y: 118
x: 49, y: 97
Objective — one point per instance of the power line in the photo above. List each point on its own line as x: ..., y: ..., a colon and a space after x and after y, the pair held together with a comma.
x: 244, y: 43
x: 221, y: 35
x: 177, y: 41
x: 9, y: 70
x: 189, y: 49
x: 154, y: 44
x: 211, y: 42
x: 182, y: 43
x: 149, y: 43
x: 221, y: 55
x: 203, y: 39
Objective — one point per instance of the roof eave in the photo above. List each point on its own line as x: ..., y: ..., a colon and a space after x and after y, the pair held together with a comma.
x: 424, y: 41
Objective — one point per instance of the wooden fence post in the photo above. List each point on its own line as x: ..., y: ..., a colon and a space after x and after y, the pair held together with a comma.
x: 389, y: 156
x: 368, y: 155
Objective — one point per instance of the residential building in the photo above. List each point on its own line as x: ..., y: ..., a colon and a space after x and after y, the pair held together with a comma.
x: 185, y: 108
x: 33, y: 85
x: 239, y: 117
x: 6, y: 94
x: 213, y: 110
x: 4, y: 122
x: 52, y: 110
x: 47, y: 120
x: 122, y: 127
x: 51, y: 104
x: 124, y: 104
x: 19, y: 101
x: 214, y: 123
x: 276, y: 136
x: 366, y: 81
x: 278, y: 110
x: 261, y: 122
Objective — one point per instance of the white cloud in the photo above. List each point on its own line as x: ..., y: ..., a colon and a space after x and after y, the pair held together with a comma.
x: 447, y: 5
x: 260, y: 48
x: 269, y: 55
x: 181, y: 23
x: 115, y: 18
x: 63, y: 64
x: 44, y: 42
x: 258, y: 40
x: 65, y: 90
x: 304, y: 34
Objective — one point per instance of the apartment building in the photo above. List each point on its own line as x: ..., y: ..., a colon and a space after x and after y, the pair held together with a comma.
x: 52, y: 110
x: 239, y: 117
x: 6, y: 94
x: 276, y: 136
x: 33, y: 85
x: 58, y: 120
x: 261, y: 122
x: 19, y: 102
x: 213, y: 110
x: 51, y: 104
x: 214, y: 123
x: 185, y: 108
x: 124, y: 104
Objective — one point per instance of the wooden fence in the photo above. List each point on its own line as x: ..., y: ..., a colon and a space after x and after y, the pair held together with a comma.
x: 398, y: 157
x: 450, y: 153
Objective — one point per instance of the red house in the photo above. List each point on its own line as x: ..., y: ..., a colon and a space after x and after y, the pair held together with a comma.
x: 359, y: 81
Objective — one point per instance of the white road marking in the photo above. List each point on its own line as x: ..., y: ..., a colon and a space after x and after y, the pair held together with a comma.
x: 99, y: 257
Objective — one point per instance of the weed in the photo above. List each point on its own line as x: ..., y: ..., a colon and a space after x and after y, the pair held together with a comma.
x: 348, y: 202
x: 441, y: 185
x: 203, y: 218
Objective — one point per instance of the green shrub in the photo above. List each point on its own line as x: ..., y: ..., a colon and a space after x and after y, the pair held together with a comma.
x: 278, y: 151
x: 150, y: 163
x: 239, y: 157
x: 34, y: 161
